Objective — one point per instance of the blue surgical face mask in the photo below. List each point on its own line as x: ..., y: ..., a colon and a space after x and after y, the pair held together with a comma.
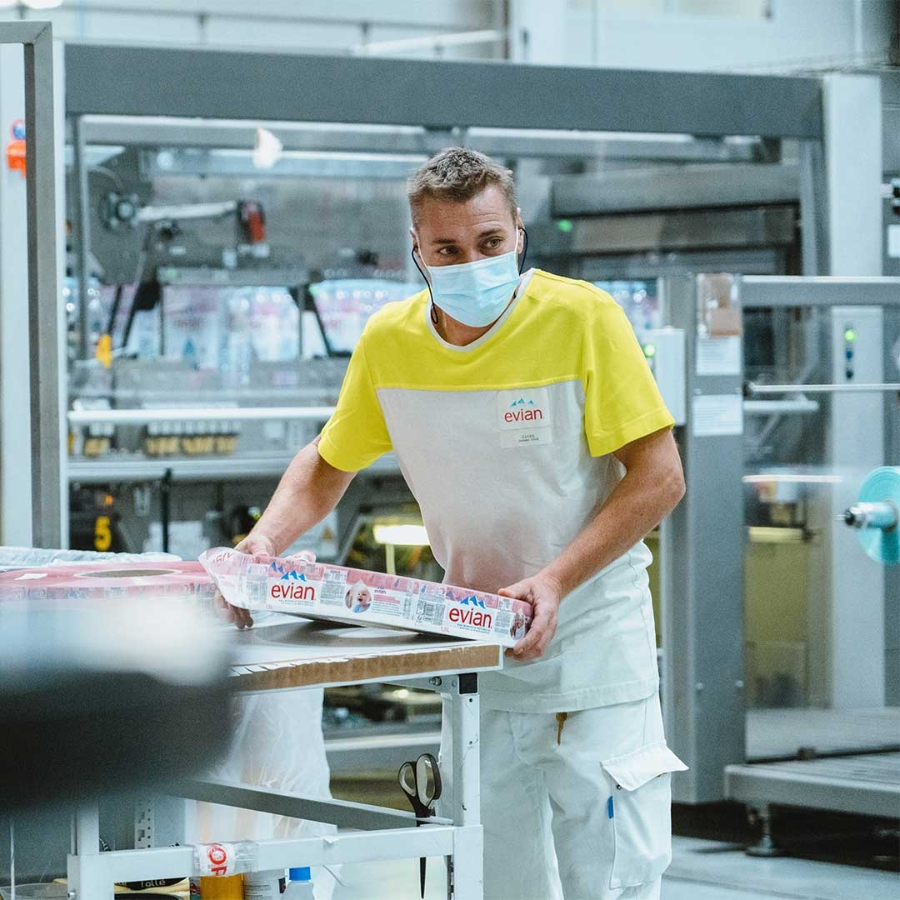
x: 475, y: 293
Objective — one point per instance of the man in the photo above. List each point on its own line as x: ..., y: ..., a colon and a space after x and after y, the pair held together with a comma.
x: 531, y: 432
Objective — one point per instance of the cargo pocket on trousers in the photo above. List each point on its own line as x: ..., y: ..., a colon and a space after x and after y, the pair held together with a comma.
x: 640, y: 813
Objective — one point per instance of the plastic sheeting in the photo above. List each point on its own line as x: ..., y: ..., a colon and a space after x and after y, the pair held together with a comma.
x: 31, y: 557
x: 277, y: 744
x: 111, y: 580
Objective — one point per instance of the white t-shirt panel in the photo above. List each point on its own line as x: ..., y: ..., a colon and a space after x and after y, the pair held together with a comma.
x: 505, y: 481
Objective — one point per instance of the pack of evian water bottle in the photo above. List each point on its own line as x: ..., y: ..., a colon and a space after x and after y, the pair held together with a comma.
x: 360, y: 597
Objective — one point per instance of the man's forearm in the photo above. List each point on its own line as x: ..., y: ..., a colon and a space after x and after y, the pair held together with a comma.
x: 307, y: 492
x: 636, y: 506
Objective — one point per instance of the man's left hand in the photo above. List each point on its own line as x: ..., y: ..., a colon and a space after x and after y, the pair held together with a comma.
x: 543, y: 592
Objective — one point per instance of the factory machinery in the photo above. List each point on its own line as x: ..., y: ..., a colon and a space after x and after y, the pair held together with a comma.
x: 768, y: 379
x: 822, y: 608
x: 766, y: 376
x: 777, y: 607
x: 230, y: 321
x: 212, y: 303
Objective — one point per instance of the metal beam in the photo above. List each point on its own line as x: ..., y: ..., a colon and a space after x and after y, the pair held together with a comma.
x: 81, y: 203
x: 15, y: 403
x: 701, y: 547
x: 232, y: 163
x: 684, y: 230
x: 769, y: 292
x: 22, y: 32
x: 283, y: 87
x: 342, y: 813
x: 813, y: 208
x: 44, y: 312
x: 225, y: 468
x: 234, y: 135
x: 43, y: 293
x: 675, y: 188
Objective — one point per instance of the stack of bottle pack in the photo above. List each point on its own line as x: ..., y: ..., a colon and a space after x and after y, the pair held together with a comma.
x: 358, y: 596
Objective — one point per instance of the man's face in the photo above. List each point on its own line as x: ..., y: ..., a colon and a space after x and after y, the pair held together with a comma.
x: 449, y: 233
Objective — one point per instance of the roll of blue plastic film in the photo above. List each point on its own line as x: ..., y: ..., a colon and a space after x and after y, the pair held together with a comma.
x: 881, y: 486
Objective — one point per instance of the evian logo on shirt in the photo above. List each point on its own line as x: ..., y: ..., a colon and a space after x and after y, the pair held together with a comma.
x: 523, y: 410
x: 526, y: 410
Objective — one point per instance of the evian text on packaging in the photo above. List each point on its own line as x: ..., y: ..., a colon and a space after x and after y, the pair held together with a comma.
x: 470, y: 617
x: 295, y: 591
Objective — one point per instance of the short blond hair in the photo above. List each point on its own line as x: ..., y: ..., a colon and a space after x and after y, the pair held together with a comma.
x: 458, y: 174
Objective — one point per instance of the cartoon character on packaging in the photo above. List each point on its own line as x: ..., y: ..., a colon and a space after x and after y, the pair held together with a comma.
x: 358, y: 597
x: 517, y: 629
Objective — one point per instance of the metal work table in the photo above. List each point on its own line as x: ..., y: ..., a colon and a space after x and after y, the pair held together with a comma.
x: 285, y: 653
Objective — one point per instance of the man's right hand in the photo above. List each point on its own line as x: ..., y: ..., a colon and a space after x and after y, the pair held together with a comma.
x: 257, y: 545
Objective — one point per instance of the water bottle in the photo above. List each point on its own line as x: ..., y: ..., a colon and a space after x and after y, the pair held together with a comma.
x: 267, y: 885
x: 230, y: 887
x: 299, y: 886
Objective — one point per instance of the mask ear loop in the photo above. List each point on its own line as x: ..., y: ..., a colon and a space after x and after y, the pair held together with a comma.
x: 434, y: 315
x: 524, y: 250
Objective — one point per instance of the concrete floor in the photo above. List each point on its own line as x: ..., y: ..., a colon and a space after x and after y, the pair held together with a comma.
x: 700, y: 870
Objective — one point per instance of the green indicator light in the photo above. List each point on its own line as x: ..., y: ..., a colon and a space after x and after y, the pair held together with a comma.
x: 849, y: 335
x: 649, y: 350
x: 565, y: 225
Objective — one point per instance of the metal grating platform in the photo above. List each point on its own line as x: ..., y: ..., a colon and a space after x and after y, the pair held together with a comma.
x: 781, y: 733
x: 845, y: 775
x: 867, y: 784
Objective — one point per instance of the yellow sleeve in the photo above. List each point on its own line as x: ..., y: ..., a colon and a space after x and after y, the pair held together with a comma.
x: 622, y: 401
x: 356, y: 434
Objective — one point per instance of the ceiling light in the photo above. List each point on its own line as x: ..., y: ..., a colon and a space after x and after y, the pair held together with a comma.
x: 42, y: 4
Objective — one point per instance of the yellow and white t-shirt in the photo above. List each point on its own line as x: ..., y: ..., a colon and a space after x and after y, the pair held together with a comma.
x: 506, y: 445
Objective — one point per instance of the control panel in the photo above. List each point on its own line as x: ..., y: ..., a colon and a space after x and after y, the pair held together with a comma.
x: 856, y: 343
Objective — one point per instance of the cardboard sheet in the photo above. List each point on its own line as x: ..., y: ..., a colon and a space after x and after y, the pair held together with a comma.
x: 282, y: 652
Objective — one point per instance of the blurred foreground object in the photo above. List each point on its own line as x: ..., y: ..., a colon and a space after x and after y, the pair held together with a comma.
x: 105, y: 692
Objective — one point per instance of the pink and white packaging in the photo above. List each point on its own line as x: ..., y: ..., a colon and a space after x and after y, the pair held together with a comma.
x: 360, y: 597
x: 109, y: 580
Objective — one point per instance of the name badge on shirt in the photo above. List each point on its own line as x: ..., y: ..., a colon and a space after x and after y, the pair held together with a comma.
x: 524, y: 417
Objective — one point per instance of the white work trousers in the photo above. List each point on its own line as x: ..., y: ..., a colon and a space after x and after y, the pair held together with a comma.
x: 584, y: 818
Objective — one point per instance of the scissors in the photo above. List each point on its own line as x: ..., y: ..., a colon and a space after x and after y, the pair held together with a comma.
x: 421, y: 782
